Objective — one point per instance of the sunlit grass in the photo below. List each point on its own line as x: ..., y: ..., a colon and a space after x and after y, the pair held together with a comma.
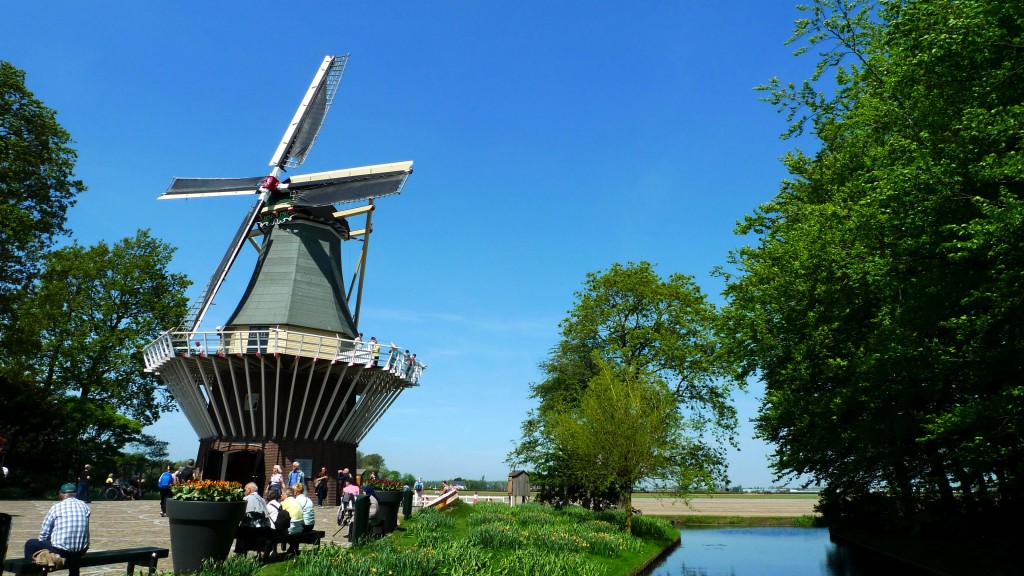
x: 494, y: 539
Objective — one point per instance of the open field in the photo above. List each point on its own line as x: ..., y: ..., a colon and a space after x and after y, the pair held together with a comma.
x: 744, y: 505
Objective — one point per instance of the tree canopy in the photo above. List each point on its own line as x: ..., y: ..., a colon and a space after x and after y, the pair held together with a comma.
x: 881, y: 304
x: 76, y: 363
x: 628, y: 429
x: 73, y: 320
x: 37, y: 184
x: 644, y: 329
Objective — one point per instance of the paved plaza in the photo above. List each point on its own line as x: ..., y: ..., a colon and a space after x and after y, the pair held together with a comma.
x: 121, y: 525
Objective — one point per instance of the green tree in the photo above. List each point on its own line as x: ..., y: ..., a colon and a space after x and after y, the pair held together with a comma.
x: 372, y: 462
x: 37, y: 185
x: 80, y: 393
x: 881, y: 304
x: 627, y: 429
x: 644, y: 326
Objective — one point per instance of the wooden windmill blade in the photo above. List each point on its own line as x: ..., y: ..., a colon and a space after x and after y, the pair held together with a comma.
x: 203, y: 187
x: 305, y: 125
x: 351, y: 185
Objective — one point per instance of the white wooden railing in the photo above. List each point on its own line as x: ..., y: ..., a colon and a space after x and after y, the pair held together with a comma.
x: 276, y: 341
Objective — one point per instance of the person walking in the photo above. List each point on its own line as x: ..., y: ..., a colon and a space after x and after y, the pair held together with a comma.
x: 187, y: 472
x: 83, y: 484
x: 164, y: 485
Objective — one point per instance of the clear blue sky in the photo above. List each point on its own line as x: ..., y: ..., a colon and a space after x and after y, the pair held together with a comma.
x: 550, y: 139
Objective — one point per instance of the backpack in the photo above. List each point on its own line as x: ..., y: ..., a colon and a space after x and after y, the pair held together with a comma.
x: 165, y: 480
x: 185, y: 473
x: 284, y: 519
x: 419, y: 485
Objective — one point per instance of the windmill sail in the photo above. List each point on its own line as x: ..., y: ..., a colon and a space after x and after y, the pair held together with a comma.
x: 203, y: 187
x: 350, y: 185
x: 199, y: 307
x: 305, y: 125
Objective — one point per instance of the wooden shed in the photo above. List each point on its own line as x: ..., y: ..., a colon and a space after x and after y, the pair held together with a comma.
x: 518, y: 487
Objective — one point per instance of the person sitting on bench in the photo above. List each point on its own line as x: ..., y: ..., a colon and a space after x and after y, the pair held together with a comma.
x: 255, y: 524
x: 65, y: 531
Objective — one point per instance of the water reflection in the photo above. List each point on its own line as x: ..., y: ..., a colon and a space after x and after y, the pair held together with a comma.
x: 771, y: 552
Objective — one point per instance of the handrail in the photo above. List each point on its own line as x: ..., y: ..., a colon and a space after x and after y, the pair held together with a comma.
x: 277, y: 341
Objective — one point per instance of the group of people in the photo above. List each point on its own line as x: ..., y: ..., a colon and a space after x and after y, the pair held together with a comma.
x: 287, y: 510
x: 132, y: 488
x: 284, y: 507
x: 169, y: 478
x: 403, y: 364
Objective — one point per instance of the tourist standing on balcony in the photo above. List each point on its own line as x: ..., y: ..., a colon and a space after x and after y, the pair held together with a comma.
x: 375, y: 350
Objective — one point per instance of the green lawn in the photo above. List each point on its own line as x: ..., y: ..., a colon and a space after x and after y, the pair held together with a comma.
x: 488, y: 539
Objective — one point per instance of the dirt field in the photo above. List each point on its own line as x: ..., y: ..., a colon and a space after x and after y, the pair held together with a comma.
x: 729, y: 505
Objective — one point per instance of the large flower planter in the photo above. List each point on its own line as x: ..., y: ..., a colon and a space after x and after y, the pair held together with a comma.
x: 201, y: 530
x: 389, y: 502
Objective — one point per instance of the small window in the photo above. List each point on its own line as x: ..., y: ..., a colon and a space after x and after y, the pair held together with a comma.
x: 258, y: 336
x: 252, y: 401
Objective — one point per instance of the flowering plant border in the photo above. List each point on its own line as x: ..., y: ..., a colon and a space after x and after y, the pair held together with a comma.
x: 208, y: 491
x: 384, y: 484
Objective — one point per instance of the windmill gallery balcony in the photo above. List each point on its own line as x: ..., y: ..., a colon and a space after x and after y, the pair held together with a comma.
x: 268, y: 383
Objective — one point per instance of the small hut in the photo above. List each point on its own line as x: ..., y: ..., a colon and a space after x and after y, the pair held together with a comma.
x: 518, y: 487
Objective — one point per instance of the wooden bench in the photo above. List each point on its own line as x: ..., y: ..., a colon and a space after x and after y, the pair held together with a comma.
x: 147, y: 556
x: 311, y: 537
x: 267, y: 545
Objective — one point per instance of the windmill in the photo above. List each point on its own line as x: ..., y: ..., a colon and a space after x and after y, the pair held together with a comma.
x: 287, y: 379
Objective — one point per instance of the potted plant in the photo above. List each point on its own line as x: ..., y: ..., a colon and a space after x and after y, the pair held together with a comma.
x: 204, y: 515
x: 389, y: 496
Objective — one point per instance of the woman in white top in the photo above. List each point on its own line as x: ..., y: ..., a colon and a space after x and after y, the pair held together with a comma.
x: 276, y: 479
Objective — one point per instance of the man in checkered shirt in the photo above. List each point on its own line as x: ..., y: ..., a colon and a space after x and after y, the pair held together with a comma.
x: 65, y: 529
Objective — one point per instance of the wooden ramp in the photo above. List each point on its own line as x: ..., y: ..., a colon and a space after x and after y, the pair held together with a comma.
x: 444, y: 499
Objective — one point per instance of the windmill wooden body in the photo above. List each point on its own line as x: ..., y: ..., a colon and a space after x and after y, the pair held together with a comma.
x: 286, y: 378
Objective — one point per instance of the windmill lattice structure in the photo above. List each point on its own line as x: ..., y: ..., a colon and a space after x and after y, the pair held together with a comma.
x: 286, y: 378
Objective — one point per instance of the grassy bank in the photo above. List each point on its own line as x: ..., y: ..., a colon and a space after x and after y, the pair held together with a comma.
x: 487, y: 539
x: 745, y: 521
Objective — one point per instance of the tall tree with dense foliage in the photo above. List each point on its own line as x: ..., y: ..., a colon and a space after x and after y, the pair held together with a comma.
x: 37, y: 184
x: 647, y: 329
x: 79, y: 392
x: 881, y: 305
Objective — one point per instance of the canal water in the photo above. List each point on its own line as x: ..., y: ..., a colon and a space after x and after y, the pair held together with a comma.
x: 772, y: 552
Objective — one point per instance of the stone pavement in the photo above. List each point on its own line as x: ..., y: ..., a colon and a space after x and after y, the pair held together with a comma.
x: 122, y: 524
